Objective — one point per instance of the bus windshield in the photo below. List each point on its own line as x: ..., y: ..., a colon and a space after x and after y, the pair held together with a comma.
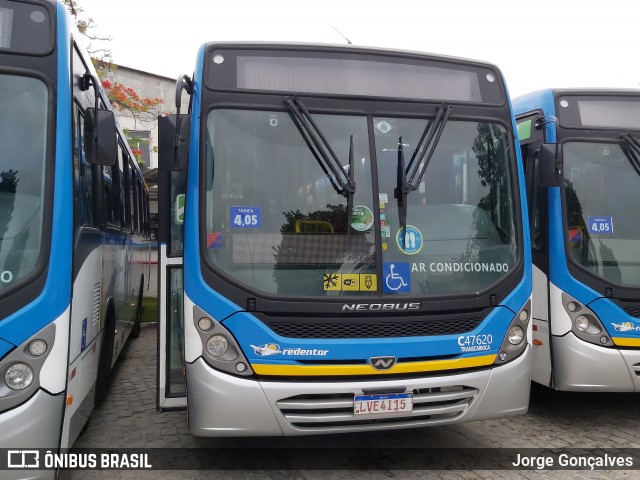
x: 276, y: 224
x: 23, y: 133
x: 602, y: 194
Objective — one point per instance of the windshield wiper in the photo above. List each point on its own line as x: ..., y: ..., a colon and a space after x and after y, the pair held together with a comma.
x: 342, y: 182
x: 409, y: 182
x: 633, y: 155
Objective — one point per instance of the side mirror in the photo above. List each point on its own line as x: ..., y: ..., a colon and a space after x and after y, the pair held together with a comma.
x: 550, y: 165
x: 101, y: 141
x: 173, y: 143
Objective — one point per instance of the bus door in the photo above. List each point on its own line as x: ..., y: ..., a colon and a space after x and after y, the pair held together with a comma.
x: 171, y: 391
x: 531, y: 134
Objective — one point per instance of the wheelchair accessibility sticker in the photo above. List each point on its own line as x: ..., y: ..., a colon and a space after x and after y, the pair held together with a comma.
x: 397, y: 277
x: 409, y: 240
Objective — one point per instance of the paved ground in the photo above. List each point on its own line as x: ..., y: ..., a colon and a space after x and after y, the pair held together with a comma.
x: 555, y: 420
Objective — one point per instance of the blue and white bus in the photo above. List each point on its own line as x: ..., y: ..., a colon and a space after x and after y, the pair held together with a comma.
x: 354, y: 255
x: 581, y: 152
x: 74, y: 246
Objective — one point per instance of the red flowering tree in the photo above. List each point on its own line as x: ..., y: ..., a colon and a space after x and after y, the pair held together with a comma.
x: 122, y: 98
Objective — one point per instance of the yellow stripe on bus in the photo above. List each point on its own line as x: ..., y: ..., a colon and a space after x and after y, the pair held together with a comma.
x: 409, y: 367
x: 626, y: 342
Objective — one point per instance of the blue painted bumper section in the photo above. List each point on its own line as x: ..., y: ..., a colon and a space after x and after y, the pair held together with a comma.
x: 5, y: 347
x: 615, y: 320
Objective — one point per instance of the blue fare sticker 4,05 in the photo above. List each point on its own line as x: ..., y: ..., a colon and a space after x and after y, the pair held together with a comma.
x: 245, y: 217
x: 601, y: 225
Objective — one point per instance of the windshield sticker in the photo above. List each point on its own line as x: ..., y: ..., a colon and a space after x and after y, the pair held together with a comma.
x: 601, y: 225
x: 245, y: 217
x: 409, y: 240
x: 269, y: 349
x: 385, y: 231
x: 214, y: 240
x: 397, y: 277
x: 361, y: 218
x: 6, y: 276
x: 350, y: 282
x: 575, y: 234
x: 383, y: 198
x: 385, y: 127
x: 524, y: 130
x: 385, y: 245
x: 626, y: 327
x: 179, y: 212
x: 459, y: 267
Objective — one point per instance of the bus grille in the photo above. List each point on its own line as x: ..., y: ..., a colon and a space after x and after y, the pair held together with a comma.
x: 633, y: 311
x: 321, y: 411
x: 375, y: 329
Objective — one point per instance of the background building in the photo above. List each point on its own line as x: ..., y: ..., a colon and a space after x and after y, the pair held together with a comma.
x: 142, y: 127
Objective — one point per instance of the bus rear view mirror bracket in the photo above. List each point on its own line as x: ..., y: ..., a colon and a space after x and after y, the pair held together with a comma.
x: 101, y: 139
x: 550, y: 161
x: 173, y: 144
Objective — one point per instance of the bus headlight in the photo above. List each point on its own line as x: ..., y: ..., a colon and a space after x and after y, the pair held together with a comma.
x: 20, y: 369
x: 18, y: 376
x: 515, y: 341
x: 584, y: 322
x: 217, y: 346
x: 515, y: 335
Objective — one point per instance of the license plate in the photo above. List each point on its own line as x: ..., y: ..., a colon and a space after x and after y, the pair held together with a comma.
x: 382, y: 404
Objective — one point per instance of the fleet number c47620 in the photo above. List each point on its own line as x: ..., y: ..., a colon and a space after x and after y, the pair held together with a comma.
x: 475, y: 343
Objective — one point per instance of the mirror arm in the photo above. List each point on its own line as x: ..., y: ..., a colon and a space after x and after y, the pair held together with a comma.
x: 87, y: 81
x: 184, y: 83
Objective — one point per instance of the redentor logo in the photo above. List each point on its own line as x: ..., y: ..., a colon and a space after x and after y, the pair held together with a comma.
x: 380, y: 307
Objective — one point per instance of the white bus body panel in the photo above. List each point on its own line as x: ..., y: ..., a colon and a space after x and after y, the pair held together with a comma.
x: 541, y: 367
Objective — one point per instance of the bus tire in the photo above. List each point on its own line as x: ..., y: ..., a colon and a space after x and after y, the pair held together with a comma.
x: 135, y: 331
x: 106, y: 356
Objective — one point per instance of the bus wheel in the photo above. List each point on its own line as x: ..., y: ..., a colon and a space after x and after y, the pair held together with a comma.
x: 106, y: 356
x: 135, y: 331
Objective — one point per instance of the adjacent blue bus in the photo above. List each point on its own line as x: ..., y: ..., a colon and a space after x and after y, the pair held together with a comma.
x: 74, y: 246
x: 341, y: 243
x: 581, y: 153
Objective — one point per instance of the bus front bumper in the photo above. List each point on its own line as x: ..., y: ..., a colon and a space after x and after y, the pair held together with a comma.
x: 32, y: 425
x: 581, y: 366
x: 221, y: 405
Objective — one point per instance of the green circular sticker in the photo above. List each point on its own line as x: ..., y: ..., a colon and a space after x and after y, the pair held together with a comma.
x: 361, y: 218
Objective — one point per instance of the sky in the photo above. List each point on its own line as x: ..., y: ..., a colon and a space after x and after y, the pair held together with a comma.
x: 536, y: 44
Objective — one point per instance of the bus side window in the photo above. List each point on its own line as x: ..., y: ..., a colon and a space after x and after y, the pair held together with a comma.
x: 532, y: 181
x: 77, y: 185
x: 146, y: 214
x: 126, y: 193
x: 122, y: 156
x: 84, y: 172
x: 133, y: 197
x: 140, y: 207
x: 109, y: 195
